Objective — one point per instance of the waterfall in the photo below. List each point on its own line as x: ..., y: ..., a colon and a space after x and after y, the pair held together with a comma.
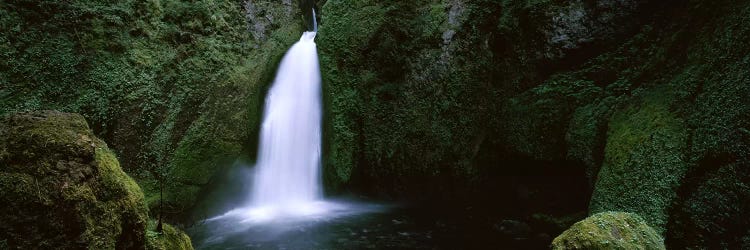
x: 288, y: 167
x: 287, y: 175
x: 287, y: 184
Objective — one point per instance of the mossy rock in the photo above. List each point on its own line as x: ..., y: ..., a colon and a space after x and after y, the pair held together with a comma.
x: 170, y: 238
x: 62, y: 188
x: 610, y: 230
x: 644, y: 160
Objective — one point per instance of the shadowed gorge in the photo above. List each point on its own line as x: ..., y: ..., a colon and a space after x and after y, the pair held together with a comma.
x: 425, y: 124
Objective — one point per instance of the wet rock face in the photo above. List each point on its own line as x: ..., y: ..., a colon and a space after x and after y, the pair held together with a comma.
x: 63, y: 189
x: 713, y: 209
x: 577, y: 23
x: 265, y: 16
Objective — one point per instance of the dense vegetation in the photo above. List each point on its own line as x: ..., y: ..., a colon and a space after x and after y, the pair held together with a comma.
x: 644, y: 103
x: 173, y: 86
x: 560, y: 108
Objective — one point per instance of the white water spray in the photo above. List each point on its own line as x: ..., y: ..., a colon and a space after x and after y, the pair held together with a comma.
x: 288, y: 168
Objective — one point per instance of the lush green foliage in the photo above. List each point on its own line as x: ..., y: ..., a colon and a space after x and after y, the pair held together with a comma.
x: 174, y: 86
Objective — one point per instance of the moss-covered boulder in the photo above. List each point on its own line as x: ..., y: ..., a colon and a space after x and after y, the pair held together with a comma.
x: 62, y: 188
x: 610, y: 230
x: 170, y: 238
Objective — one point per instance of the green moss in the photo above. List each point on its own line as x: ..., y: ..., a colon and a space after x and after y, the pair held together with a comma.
x: 422, y: 98
x: 644, y: 161
x: 417, y: 109
x: 459, y: 89
x: 342, y: 35
x: 104, y: 206
x: 711, y: 212
x: 64, y: 189
x: 172, y: 84
x: 538, y: 119
x: 102, y: 212
x: 22, y: 187
x: 170, y: 239
x: 349, y: 30
x: 115, y: 180
x: 610, y: 230
x: 587, y: 133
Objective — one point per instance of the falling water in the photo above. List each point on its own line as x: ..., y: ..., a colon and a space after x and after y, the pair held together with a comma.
x: 289, y: 155
x: 287, y: 180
